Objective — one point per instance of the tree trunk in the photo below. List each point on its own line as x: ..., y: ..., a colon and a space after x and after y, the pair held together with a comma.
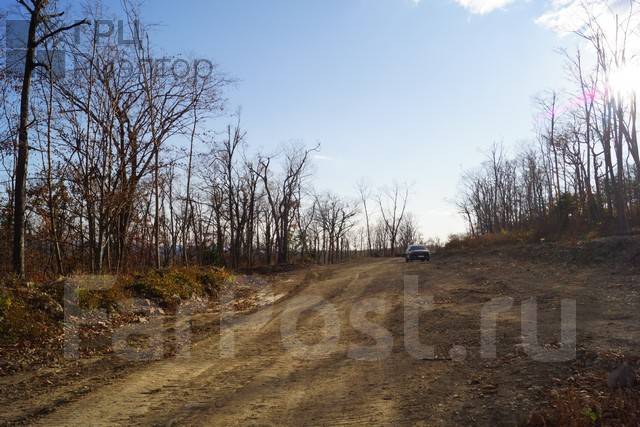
x: 22, y: 162
x: 156, y: 225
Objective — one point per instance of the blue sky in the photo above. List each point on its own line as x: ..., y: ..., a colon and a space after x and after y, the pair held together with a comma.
x: 392, y: 89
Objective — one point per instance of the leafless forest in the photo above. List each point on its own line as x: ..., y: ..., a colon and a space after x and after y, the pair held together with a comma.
x: 112, y: 166
x: 582, y: 174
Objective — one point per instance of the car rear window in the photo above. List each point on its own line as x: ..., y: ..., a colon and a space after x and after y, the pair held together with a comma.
x: 417, y: 248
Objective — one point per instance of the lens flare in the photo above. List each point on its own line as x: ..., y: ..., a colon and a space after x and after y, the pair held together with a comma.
x: 626, y: 80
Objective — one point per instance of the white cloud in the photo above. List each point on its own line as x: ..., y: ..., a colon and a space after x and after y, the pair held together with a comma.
x: 571, y: 15
x: 482, y: 7
x: 321, y: 157
x: 562, y: 16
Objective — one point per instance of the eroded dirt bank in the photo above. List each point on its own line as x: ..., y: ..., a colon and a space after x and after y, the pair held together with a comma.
x: 255, y: 377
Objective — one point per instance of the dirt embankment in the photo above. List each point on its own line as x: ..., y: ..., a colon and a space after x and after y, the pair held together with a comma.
x: 616, y: 252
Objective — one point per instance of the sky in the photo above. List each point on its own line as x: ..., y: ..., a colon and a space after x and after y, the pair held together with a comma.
x: 409, y: 91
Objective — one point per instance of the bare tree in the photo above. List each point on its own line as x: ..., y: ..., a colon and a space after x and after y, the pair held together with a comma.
x: 392, y: 203
x: 42, y: 27
x: 365, y: 195
x: 282, y: 194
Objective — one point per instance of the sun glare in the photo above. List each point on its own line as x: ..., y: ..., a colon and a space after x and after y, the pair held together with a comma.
x: 626, y: 80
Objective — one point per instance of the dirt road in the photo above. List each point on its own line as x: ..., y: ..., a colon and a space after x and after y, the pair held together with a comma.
x: 335, y: 316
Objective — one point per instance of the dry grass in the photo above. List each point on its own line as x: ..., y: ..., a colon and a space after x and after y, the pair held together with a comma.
x: 576, y: 407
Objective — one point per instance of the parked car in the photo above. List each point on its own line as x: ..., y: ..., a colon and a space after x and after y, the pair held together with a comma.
x: 417, y: 252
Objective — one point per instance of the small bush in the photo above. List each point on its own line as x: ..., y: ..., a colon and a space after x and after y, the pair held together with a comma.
x: 5, y: 306
x: 26, y: 312
x: 168, y: 287
x: 211, y: 280
x: 102, y: 299
x: 161, y: 285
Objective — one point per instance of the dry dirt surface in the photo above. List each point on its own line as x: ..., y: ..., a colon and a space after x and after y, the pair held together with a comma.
x: 333, y: 317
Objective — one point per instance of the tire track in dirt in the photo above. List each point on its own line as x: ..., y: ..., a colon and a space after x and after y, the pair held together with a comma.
x: 267, y: 384
x: 170, y: 390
